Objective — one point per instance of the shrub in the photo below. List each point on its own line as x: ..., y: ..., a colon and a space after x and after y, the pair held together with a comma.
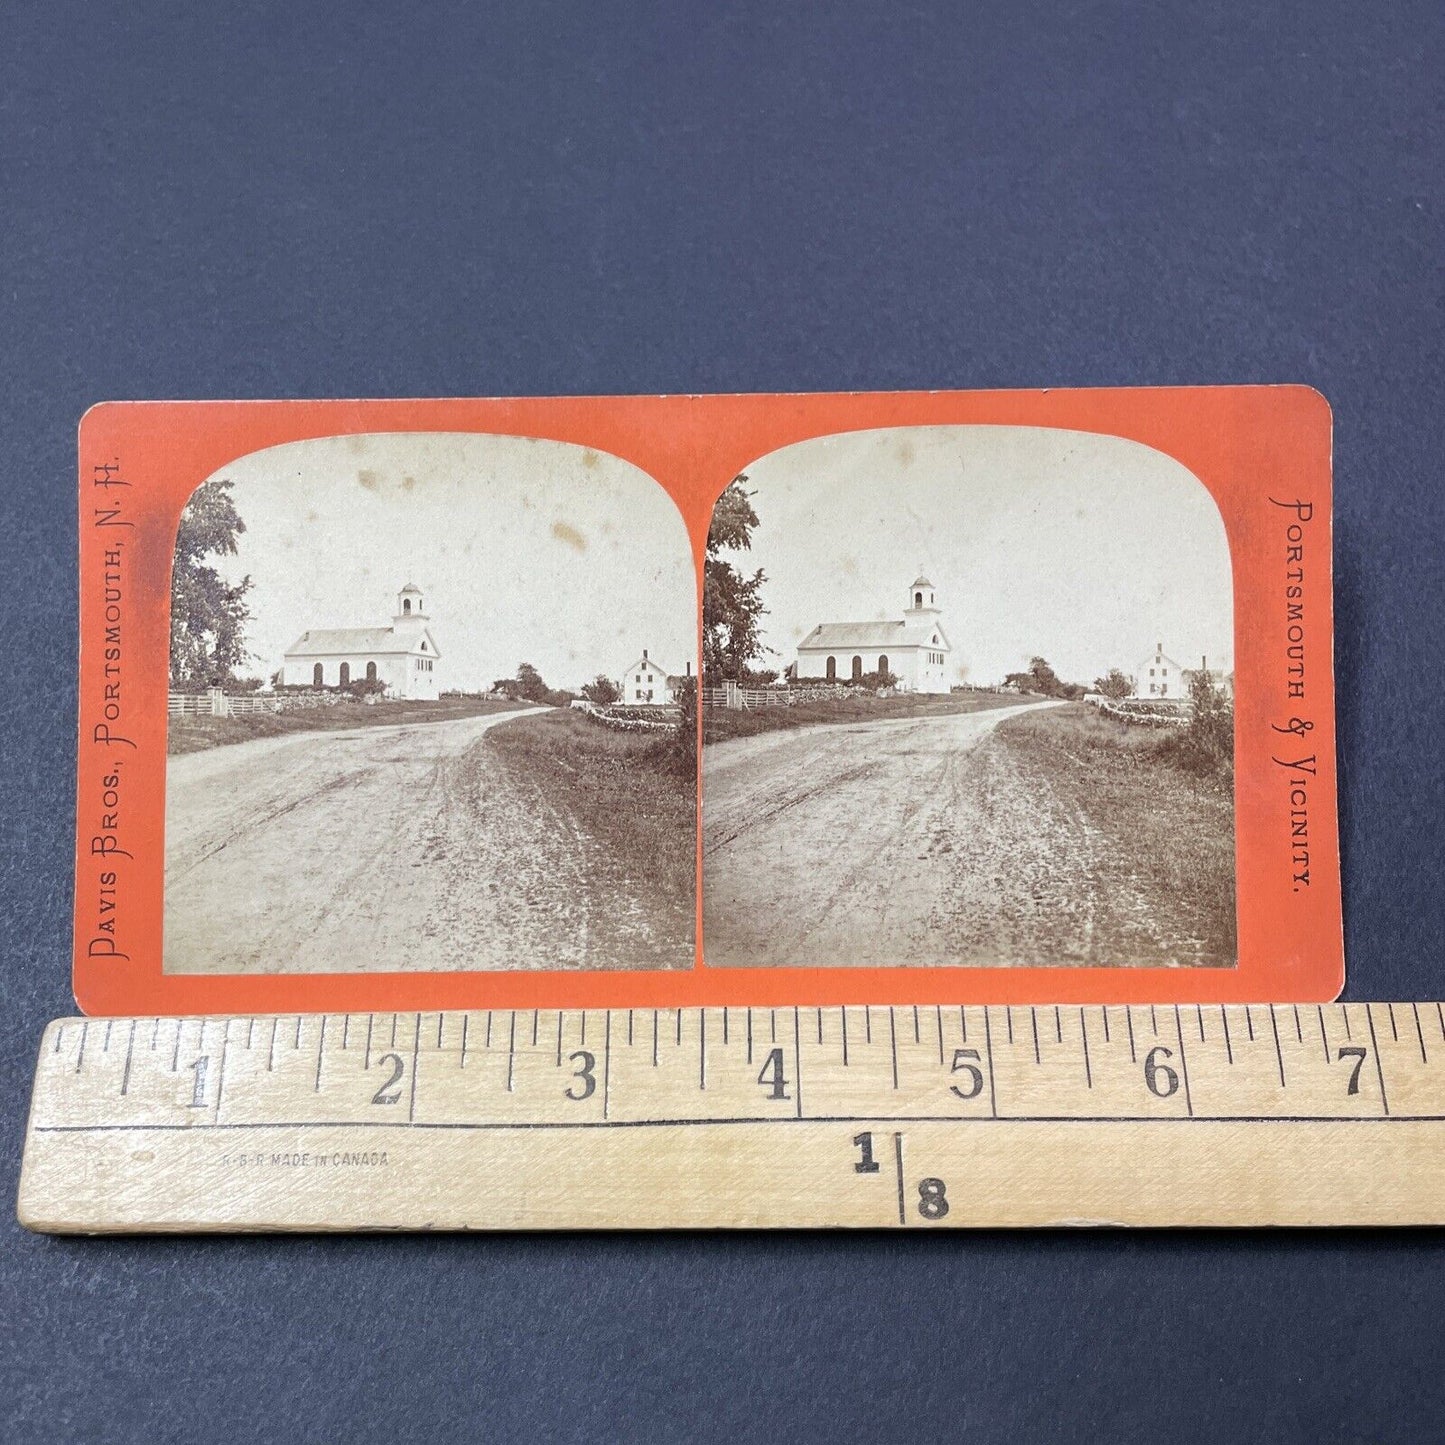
x: 1205, y: 744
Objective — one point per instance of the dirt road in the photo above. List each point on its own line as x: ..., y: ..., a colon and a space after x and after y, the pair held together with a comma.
x: 385, y: 848
x: 898, y: 842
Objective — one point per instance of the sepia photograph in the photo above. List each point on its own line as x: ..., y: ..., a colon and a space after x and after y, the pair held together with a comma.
x: 432, y: 708
x: 968, y: 700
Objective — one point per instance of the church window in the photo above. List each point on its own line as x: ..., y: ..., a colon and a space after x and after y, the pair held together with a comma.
x: 832, y: 669
x: 371, y: 672
x: 406, y: 604
x: 882, y: 662
x: 918, y: 599
x: 857, y: 668
x: 345, y: 674
x: 318, y: 675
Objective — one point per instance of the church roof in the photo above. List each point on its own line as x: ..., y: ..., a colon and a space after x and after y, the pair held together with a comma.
x: 856, y: 634
x: 912, y: 632
x: 324, y: 641
x: 411, y: 587
x: 922, y: 581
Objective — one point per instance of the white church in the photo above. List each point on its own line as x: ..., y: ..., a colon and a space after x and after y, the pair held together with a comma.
x: 403, y: 656
x: 915, y: 649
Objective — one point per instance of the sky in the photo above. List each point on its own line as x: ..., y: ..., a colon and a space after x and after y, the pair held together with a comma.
x: 525, y: 551
x: 1084, y: 549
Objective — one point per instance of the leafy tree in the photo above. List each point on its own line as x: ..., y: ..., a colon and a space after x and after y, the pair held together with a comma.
x: 529, y: 684
x: 601, y: 690
x: 208, y: 614
x: 1045, y: 679
x: 732, y: 603
x: 1113, y: 684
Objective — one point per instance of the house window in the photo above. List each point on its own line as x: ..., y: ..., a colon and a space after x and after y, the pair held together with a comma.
x: 649, y: 678
x: 371, y: 672
x: 1163, y: 672
x: 832, y: 669
x: 1151, y: 674
x: 318, y: 676
x: 1164, y: 689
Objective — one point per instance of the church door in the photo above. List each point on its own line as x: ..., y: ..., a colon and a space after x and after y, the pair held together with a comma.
x: 345, y: 673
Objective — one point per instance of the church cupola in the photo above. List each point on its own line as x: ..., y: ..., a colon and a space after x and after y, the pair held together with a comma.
x: 921, y: 595
x: 409, y: 605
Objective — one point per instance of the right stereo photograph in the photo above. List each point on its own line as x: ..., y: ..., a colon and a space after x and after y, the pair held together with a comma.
x: 968, y: 700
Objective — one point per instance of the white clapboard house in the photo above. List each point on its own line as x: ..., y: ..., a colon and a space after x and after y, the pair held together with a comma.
x: 1160, y: 676
x: 648, y: 684
x: 914, y: 648
x: 403, y: 656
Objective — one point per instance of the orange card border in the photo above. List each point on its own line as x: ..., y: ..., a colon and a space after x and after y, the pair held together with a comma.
x: 140, y: 461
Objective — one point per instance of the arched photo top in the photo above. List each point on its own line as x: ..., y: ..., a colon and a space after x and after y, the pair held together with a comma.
x: 522, y: 549
x: 1089, y: 550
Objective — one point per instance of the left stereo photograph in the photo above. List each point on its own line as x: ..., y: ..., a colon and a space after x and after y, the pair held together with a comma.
x: 431, y: 707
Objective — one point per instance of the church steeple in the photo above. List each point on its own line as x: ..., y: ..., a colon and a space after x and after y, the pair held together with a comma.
x: 921, y: 596
x: 409, y: 606
x: 410, y: 615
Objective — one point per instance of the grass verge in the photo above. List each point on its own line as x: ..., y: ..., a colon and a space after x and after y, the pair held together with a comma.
x: 721, y: 724
x: 1168, y: 833
x: 626, y: 790
x: 193, y: 734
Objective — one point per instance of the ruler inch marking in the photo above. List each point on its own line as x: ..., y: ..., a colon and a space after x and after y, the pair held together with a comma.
x: 1379, y: 1066
x: 1278, y: 1051
x: 798, y: 1058
x: 898, y: 1160
x: 988, y: 1049
x: 415, y: 1055
x: 606, y: 1062
x: 1183, y: 1063
x: 221, y: 1066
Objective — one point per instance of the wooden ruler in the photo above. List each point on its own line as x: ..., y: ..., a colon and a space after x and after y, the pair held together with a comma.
x: 911, y: 1117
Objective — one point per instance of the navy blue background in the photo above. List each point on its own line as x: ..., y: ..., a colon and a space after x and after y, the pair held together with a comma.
x: 298, y: 200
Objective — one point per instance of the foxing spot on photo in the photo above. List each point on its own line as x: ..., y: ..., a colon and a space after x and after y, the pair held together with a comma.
x: 432, y: 708
x: 968, y: 700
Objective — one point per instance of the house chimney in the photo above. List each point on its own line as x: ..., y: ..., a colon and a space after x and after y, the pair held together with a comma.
x: 1158, y: 647
x: 644, y: 654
